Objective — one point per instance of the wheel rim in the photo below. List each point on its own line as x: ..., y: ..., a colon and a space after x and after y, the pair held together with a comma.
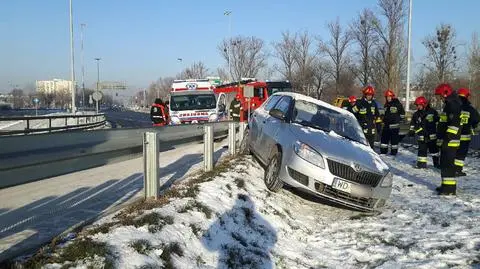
x: 272, y: 168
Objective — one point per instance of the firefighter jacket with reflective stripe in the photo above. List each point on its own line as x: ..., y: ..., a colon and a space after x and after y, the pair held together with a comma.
x: 367, y: 113
x: 353, y: 109
x: 394, y: 113
x: 157, y: 113
x: 424, y: 124
x: 235, y: 108
x: 449, y: 126
x: 469, y: 119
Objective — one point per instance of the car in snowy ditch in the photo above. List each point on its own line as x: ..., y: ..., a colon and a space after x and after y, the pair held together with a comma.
x: 318, y: 148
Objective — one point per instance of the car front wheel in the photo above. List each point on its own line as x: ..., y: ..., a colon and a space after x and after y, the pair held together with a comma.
x: 272, y: 181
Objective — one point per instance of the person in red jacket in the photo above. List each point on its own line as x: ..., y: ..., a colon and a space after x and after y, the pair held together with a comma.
x: 158, y: 113
x: 449, y: 130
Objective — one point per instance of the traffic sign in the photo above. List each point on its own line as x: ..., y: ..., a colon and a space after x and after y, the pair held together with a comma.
x: 97, y: 96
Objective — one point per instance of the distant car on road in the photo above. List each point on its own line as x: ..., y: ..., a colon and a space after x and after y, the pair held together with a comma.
x: 319, y: 148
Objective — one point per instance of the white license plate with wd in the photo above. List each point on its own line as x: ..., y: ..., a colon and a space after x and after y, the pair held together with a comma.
x: 342, y: 185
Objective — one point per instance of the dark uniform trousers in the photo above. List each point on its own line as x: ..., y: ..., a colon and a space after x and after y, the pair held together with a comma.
x: 390, y: 135
x: 450, y: 146
x: 425, y: 145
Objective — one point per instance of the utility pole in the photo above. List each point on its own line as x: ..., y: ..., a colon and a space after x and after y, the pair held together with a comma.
x: 83, y: 64
x: 98, y: 77
x: 407, y: 103
x: 72, y: 61
x: 229, y: 46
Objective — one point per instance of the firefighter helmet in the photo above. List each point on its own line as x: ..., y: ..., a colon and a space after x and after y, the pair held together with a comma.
x: 421, y: 101
x: 444, y: 90
x: 369, y: 90
x: 352, y: 99
x: 389, y: 93
x: 464, y: 92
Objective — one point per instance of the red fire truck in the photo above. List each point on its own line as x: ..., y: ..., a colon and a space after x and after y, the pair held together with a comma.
x: 261, y: 91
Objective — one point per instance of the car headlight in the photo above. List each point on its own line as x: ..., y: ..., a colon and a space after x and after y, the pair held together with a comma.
x: 175, y: 120
x: 387, y: 180
x: 213, y: 117
x: 308, y: 154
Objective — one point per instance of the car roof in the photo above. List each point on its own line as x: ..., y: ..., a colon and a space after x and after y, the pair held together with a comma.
x: 298, y: 96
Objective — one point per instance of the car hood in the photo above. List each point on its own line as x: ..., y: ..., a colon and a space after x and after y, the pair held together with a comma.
x: 334, y: 146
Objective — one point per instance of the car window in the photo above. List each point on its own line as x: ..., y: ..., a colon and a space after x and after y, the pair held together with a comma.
x: 271, y: 102
x: 284, y: 104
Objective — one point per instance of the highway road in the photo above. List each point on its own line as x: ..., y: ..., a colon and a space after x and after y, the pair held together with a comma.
x: 128, y: 119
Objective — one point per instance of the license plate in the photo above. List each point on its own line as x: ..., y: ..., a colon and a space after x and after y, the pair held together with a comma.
x: 342, y: 185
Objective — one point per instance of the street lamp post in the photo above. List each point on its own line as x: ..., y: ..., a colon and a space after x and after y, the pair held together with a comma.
x: 98, y: 77
x: 228, y: 13
x: 83, y: 64
x: 407, y: 103
x: 72, y: 61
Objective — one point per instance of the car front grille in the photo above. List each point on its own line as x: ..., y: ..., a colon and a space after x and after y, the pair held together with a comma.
x: 346, y: 172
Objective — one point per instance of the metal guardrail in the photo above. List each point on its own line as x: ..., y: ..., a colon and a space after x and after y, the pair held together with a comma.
x: 89, y: 121
x: 29, y: 158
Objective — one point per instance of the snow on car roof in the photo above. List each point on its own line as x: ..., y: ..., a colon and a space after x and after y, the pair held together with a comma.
x: 299, y: 96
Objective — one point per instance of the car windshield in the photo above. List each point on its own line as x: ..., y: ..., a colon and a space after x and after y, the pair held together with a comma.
x: 319, y: 117
x: 192, y: 101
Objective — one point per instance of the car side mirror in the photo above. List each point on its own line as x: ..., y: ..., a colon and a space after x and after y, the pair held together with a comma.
x: 278, y: 114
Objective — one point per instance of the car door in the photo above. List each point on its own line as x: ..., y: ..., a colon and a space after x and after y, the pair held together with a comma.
x: 258, y: 118
x: 271, y: 126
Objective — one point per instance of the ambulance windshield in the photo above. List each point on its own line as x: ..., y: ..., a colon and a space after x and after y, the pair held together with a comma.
x: 192, y: 102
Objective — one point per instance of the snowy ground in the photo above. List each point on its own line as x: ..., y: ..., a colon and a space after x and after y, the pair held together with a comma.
x: 32, y: 214
x: 229, y: 219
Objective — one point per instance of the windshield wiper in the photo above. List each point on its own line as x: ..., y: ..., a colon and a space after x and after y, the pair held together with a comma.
x: 309, y: 124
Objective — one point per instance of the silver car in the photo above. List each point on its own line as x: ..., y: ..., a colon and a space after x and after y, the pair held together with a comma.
x: 319, y: 148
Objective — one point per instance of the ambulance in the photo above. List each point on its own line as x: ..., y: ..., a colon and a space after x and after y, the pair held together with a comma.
x: 195, y: 101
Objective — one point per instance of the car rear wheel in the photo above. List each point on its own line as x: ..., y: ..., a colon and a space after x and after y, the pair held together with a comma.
x: 272, y: 181
x: 244, y: 148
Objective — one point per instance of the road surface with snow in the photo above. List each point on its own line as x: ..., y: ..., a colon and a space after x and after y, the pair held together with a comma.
x: 32, y: 214
x: 234, y: 222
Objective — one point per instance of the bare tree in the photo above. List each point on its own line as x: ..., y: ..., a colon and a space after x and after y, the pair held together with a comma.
x: 18, y: 95
x: 442, y: 55
x: 222, y: 73
x: 285, y: 52
x: 363, y: 33
x: 321, y: 75
x: 159, y: 88
x: 336, y: 50
x: 196, y: 70
x: 304, y: 59
x: 474, y: 68
x: 247, y: 56
x: 389, y: 52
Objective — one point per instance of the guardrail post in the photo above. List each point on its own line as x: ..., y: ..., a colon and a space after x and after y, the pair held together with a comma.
x: 232, y: 139
x: 241, y: 130
x: 66, y: 121
x: 150, y: 164
x: 50, y: 125
x: 208, y: 147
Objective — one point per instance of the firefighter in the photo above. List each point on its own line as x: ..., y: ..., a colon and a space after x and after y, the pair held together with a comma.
x: 352, y: 107
x: 469, y: 120
x: 368, y: 114
x: 449, y: 130
x: 394, y: 113
x: 158, y: 114
x: 235, y: 108
x: 424, y: 125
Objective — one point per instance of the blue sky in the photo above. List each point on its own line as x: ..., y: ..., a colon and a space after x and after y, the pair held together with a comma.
x: 140, y: 40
